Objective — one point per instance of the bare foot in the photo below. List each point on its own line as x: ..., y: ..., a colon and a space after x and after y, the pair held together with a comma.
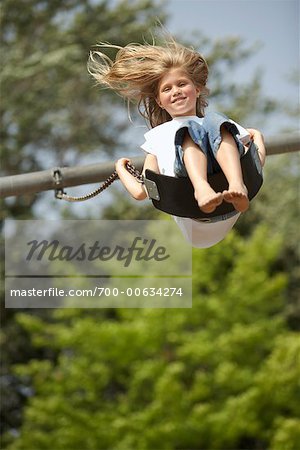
x: 207, y: 198
x: 238, y: 196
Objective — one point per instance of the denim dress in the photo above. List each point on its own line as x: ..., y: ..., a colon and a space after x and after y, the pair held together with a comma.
x: 208, y: 137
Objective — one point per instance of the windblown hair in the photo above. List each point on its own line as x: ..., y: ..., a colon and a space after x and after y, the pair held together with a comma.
x: 138, y: 68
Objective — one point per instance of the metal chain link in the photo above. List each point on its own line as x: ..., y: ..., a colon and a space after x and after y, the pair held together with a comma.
x: 61, y: 195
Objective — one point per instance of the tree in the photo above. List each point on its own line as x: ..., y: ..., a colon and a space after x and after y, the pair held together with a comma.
x: 52, y: 114
x: 277, y: 206
x: 223, y: 374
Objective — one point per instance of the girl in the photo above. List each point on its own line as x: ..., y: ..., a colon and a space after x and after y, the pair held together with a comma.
x: 169, y: 84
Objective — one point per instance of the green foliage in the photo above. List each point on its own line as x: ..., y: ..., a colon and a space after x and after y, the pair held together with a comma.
x: 51, y: 114
x: 277, y: 206
x: 223, y: 374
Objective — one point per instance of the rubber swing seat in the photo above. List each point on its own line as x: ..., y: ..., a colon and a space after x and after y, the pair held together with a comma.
x: 175, y: 196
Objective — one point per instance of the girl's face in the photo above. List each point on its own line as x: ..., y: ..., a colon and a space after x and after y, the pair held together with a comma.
x: 177, y: 94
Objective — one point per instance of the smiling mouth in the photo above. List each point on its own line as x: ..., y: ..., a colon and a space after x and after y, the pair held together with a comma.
x: 178, y: 99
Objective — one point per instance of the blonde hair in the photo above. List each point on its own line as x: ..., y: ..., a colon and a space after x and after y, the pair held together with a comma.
x: 137, y: 69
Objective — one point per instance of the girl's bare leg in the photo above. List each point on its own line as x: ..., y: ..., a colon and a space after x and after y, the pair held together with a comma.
x: 229, y: 160
x: 196, y: 165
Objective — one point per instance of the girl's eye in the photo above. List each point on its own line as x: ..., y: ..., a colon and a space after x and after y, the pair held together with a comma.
x: 182, y: 84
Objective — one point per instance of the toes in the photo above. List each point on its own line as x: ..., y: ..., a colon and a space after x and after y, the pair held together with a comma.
x: 210, y: 204
x: 227, y: 196
x: 208, y: 208
x: 232, y: 196
x: 238, y: 199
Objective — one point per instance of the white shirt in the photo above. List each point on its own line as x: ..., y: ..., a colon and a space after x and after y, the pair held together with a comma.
x: 159, y: 141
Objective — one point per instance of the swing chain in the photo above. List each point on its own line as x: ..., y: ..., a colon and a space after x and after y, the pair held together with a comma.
x: 61, y: 195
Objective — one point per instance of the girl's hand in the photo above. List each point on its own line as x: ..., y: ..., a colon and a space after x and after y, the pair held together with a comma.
x: 258, y: 139
x: 121, y: 164
x: 254, y: 133
x: 134, y: 187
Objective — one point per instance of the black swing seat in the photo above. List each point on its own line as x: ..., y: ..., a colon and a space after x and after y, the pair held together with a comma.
x: 175, y: 196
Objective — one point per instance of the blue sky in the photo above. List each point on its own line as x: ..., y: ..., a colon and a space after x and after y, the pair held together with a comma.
x: 272, y: 23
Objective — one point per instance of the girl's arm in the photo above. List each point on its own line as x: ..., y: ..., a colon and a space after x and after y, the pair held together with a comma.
x: 135, y: 189
x: 258, y: 140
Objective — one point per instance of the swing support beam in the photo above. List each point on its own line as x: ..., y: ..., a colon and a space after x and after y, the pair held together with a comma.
x: 61, y: 177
